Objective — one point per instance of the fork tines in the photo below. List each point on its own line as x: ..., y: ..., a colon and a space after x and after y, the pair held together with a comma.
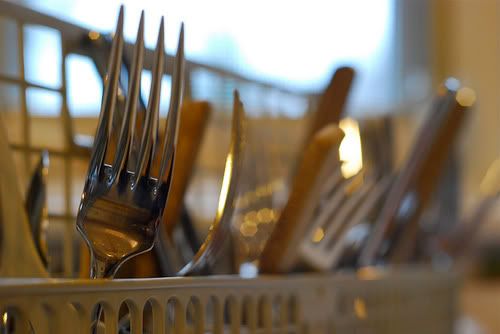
x: 141, y: 170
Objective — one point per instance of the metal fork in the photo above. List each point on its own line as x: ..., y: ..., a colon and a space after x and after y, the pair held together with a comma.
x: 347, y: 208
x: 120, y: 208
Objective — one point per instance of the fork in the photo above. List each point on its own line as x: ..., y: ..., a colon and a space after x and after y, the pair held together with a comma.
x: 348, y: 207
x: 120, y: 209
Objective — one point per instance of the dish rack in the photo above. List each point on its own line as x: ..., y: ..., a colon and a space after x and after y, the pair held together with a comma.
x: 405, y: 301
x: 400, y: 301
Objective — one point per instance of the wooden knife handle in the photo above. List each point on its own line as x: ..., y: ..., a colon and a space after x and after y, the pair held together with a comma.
x: 193, y: 123
x: 332, y: 101
x: 280, y: 251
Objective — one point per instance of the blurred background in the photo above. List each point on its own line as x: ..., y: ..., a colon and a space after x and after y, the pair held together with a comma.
x: 281, y: 56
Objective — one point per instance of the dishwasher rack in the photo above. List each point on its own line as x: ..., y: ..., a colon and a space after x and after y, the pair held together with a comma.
x: 406, y: 301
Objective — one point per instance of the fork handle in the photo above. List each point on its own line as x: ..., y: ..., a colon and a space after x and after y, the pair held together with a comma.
x: 102, y: 269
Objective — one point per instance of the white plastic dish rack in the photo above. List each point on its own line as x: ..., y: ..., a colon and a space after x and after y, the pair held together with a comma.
x: 409, y: 301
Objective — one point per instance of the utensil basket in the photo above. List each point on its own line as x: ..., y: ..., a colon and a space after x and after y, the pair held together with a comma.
x: 408, y: 301
x: 405, y: 301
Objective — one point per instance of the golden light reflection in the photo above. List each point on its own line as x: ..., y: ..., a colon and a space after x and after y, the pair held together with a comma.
x: 261, y: 191
x: 45, y: 172
x: 318, y: 235
x: 265, y: 215
x: 250, y: 222
x: 356, y: 182
x: 265, y: 190
x: 466, y: 97
x: 225, y: 184
x: 4, y: 318
x: 490, y: 184
x: 251, y: 216
x: 368, y: 273
x: 350, y: 148
x: 360, y: 308
x: 93, y: 35
x: 248, y: 229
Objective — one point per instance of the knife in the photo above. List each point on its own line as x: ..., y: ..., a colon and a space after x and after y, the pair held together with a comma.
x: 332, y: 102
x: 280, y: 253
x: 395, y: 232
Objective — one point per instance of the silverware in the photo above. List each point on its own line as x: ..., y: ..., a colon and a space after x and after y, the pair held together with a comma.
x: 36, y: 206
x: 176, y: 221
x: 193, y: 120
x: 18, y: 254
x: 120, y: 209
x: 395, y: 232
x: 208, y: 253
x: 347, y: 204
x: 336, y: 229
x: 176, y: 254
x: 22, y: 254
x: 280, y: 254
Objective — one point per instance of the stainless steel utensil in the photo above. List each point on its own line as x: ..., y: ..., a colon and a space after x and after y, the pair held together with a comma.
x: 210, y: 249
x: 394, y: 234
x: 120, y: 208
x: 174, y: 248
x: 346, y: 209
x: 36, y: 206
x: 176, y: 222
x: 347, y: 204
x: 18, y: 254
x: 280, y: 254
x: 192, y: 124
x: 175, y: 254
